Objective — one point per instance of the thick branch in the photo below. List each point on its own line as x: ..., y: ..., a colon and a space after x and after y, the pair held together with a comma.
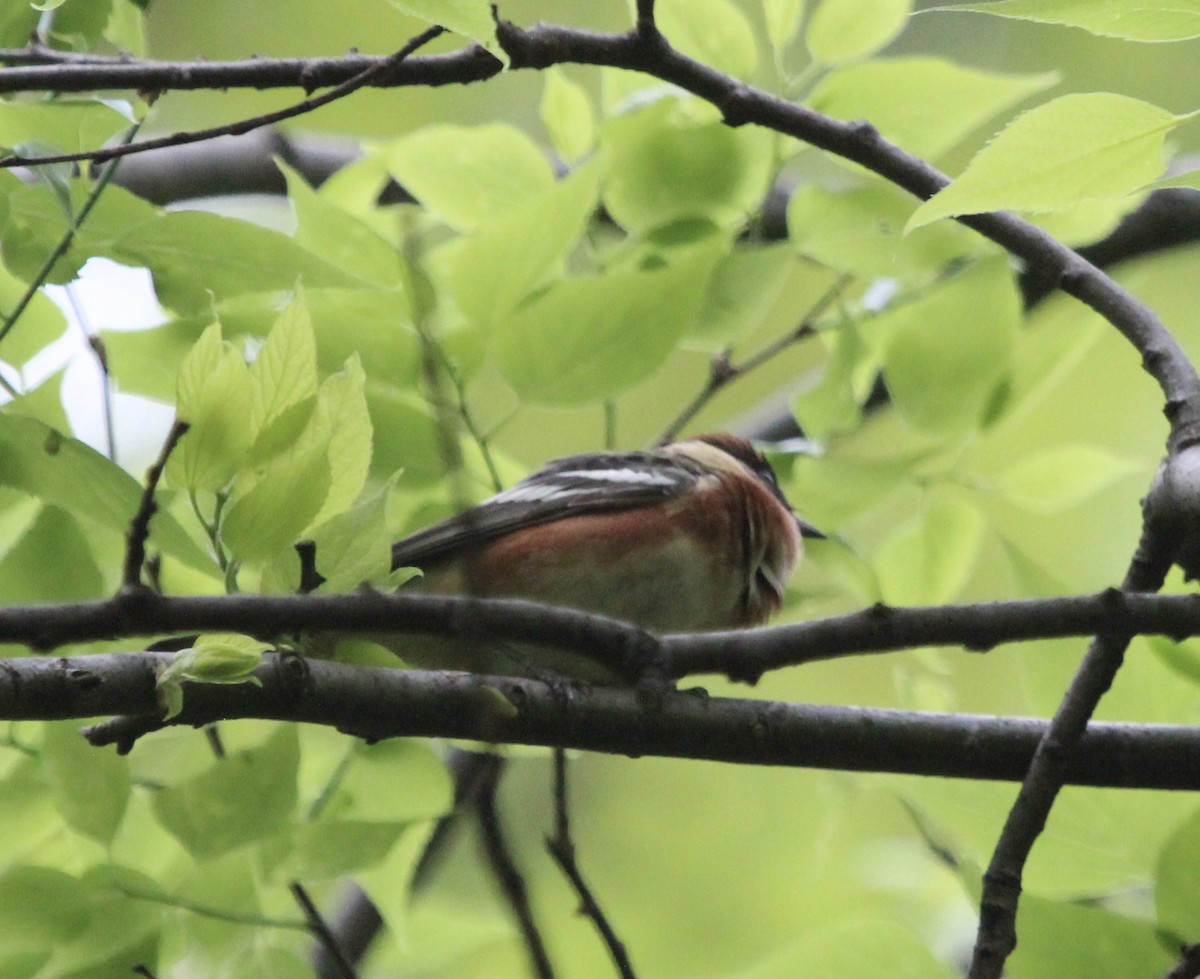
x: 378, y: 703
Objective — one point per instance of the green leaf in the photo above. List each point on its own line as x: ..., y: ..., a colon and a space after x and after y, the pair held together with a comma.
x: 331, y: 848
x: 469, y: 18
x: 927, y: 561
x: 242, y: 798
x: 90, y: 786
x: 342, y: 408
x: 594, y: 336
x: 401, y: 780
x: 745, y: 286
x: 52, y: 561
x: 844, y: 30
x: 67, y: 126
x: 944, y: 354
x: 355, y: 546
x: 215, y: 397
x: 274, y: 511
x: 1176, y: 885
x: 1061, y: 938
x: 217, y: 657
x: 832, y: 403
x: 463, y: 175
x: 508, y: 256
x: 853, y: 945
x: 66, y: 473
x: 783, y: 21
x: 221, y: 657
x: 40, y: 324
x: 1076, y: 148
x: 667, y: 166
x: 925, y: 105
x: 567, y: 115
x: 1057, y: 479
x: 341, y: 239
x: 39, y: 908
x: 1182, y: 657
x: 283, y: 376
x: 861, y: 231
x: 1135, y: 20
x: 147, y: 362
x: 714, y: 32
x: 195, y: 256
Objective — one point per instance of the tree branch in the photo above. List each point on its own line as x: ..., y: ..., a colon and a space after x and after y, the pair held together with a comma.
x: 375, y: 703
x: 626, y: 650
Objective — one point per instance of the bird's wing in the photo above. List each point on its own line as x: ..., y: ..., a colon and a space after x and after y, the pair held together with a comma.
x: 594, y: 483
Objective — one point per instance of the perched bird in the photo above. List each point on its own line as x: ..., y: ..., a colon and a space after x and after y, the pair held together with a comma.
x: 691, y: 537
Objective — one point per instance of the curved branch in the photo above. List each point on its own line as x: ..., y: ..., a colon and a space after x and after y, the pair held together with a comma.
x: 375, y: 703
x: 626, y: 650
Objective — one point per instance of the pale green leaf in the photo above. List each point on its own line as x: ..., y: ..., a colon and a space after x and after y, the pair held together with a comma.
x: 90, y: 786
x: 64, y: 472
x: 1176, y: 883
x: 567, y: 115
x: 214, y: 396
x: 342, y: 407
x: 1189, y: 179
x: 1057, y: 479
x: 783, y: 21
x: 1182, y: 657
x: 40, y: 907
x: 40, y: 324
x: 927, y: 561
x: 274, y: 511
x: 714, y: 32
x: 241, y: 799
x: 465, y: 175
x: 340, y: 238
x: 68, y: 126
x: 925, y: 105
x: 666, y: 166
x: 831, y: 404
x: 51, y: 561
x: 1135, y: 20
x: 355, y: 545
x: 843, y: 30
x: 499, y: 265
x: 469, y: 18
x: 861, y: 231
x: 1076, y: 148
x: 1069, y: 938
x: 319, y: 851
x: 596, y: 335
x: 195, y: 256
x: 745, y: 285
x: 216, y: 657
x: 945, y: 353
x: 282, y: 377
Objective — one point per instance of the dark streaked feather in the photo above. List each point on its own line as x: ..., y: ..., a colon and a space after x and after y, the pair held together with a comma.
x: 567, y: 487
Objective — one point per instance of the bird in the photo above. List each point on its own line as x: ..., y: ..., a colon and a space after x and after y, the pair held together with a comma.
x: 693, y: 536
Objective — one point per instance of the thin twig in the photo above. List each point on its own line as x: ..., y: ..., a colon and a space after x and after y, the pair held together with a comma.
x: 509, y: 877
x: 241, y: 127
x: 66, y: 240
x: 562, y: 849
x: 320, y: 930
x: 96, y: 346
x: 723, y: 371
x: 139, y: 526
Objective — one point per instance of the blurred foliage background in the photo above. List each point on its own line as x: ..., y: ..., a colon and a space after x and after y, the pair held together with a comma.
x: 1009, y: 463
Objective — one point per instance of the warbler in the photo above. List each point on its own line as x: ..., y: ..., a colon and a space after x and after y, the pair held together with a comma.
x: 694, y: 536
